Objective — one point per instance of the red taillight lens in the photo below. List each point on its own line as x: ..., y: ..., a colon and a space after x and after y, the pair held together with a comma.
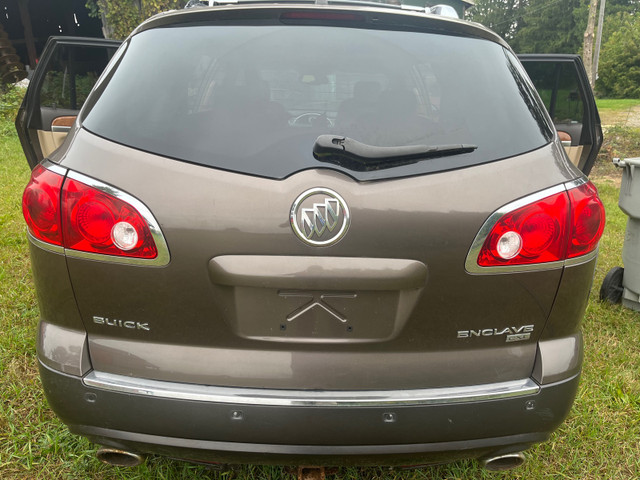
x: 542, y: 228
x: 41, y: 205
x: 587, y: 220
x: 560, y: 226
x: 96, y: 222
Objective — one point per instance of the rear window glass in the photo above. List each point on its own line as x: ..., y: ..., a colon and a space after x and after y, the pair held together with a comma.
x: 253, y: 99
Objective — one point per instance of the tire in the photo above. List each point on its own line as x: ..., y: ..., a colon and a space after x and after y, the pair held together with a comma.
x: 612, y: 289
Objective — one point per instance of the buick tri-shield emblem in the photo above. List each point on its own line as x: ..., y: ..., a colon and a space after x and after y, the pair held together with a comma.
x: 320, y: 217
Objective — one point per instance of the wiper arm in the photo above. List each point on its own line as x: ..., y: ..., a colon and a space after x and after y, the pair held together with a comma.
x: 354, y: 155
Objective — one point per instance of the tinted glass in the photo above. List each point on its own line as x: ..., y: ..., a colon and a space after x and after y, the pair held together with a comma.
x: 559, y: 87
x: 71, y: 74
x: 254, y: 99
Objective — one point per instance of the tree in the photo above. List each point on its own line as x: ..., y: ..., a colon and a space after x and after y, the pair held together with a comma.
x: 619, y: 71
x: 549, y: 26
x: 120, y: 17
x: 501, y: 16
x: 616, y: 9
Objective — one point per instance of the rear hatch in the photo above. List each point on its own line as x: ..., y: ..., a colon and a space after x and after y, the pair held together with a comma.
x: 291, y: 268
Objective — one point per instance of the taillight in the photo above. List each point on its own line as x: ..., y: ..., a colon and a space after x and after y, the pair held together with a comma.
x: 587, y: 220
x: 560, y: 226
x: 84, y: 218
x: 41, y: 205
x: 94, y: 221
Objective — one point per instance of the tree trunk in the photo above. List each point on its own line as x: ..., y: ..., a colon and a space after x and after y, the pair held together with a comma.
x: 107, y: 28
x: 587, y: 48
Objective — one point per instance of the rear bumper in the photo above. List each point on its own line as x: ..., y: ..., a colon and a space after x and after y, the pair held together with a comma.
x: 333, y: 429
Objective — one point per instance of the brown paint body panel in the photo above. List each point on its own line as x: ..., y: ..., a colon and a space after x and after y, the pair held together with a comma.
x: 204, y: 332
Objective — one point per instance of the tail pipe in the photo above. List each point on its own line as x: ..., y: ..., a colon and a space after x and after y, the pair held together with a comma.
x: 119, y: 458
x: 503, y: 462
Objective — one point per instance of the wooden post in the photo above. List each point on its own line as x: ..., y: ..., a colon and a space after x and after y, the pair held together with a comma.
x: 23, y: 7
x: 587, y: 48
x: 596, y: 59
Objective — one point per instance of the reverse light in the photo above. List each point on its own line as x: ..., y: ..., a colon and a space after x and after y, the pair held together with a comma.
x: 96, y: 222
x: 89, y: 217
x: 562, y: 225
x: 509, y: 245
x: 124, y: 235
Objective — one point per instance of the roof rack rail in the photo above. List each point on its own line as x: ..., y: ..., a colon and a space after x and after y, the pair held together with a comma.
x: 441, y: 10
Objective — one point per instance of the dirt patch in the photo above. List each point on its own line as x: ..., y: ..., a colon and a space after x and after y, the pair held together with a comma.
x: 629, y: 117
x: 606, y: 171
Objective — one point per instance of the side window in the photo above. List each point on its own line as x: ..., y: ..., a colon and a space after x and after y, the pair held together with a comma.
x: 559, y: 87
x: 562, y: 83
x: 71, y: 74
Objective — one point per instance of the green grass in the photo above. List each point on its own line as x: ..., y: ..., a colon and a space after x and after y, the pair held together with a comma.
x: 609, y: 104
x: 619, y: 112
x: 599, y: 440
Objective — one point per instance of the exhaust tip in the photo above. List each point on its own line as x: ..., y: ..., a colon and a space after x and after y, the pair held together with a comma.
x: 119, y: 458
x: 503, y: 462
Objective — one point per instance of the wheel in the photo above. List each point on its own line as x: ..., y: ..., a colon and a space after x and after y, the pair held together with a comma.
x: 611, y: 289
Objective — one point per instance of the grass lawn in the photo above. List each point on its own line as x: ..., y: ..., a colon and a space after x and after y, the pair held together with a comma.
x: 614, y: 104
x: 620, y: 112
x: 599, y: 440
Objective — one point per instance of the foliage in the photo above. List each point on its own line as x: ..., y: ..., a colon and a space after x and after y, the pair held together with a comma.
x: 57, y: 89
x: 535, y: 26
x: 619, y: 69
x: 557, y: 26
x: 120, y: 17
x: 501, y: 16
x: 622, y: 142
x: 10, y: 100
x: 549, y: 27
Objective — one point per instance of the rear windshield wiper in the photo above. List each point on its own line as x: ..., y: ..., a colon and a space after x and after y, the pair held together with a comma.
x: 354, y: 155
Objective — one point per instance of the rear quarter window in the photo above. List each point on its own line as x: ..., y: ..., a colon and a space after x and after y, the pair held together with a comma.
x: 253, y: 99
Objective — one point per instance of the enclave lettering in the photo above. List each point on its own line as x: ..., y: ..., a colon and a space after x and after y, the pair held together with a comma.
x: 492, y: 332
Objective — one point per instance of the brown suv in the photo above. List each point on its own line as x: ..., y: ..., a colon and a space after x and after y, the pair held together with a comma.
x: 310, y: 234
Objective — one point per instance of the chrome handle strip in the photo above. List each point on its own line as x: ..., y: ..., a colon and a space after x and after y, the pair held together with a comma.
x: 309, y: 398
x: 60, y: 129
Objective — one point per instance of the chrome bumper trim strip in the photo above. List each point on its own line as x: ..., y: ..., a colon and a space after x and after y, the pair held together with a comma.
x: 309, y: 398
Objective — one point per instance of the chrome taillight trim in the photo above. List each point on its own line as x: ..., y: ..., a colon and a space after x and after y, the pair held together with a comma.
x: 50, y: 247
x: 309, y: 398
x: 471, y: 262
x: 54, y: 167
x: 572, y: 262
x: 160, y: 260
x: 163, y: 256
